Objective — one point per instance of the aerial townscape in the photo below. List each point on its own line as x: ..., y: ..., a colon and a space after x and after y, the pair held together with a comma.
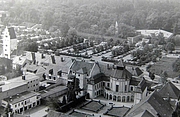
x: 89, y: 58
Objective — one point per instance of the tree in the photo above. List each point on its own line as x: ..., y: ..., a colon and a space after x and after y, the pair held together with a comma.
x: 126, y: 31
x: 46, y: 20
x: 72, y: 32
x: 83, y: 26
x: 64, y: 29
x: 170, y: 47
x: 176, y: 65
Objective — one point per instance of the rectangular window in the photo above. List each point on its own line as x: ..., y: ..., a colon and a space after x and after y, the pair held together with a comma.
x: 125, y: 87
x: 131, y: 88
x: 117, y: 88
x: 108, y: 85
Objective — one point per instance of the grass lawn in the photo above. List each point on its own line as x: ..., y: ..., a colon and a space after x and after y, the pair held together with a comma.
x: 165, y: 64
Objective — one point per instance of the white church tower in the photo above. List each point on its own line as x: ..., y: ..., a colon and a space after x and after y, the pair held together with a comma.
x: 9, y: 41
x: 116, y: 28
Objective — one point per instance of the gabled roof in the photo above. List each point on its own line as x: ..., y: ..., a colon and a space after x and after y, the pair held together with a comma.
x: 135, y: 71
x: 82, y: 66
x: 169, y: 91
x: 12, y: 33
x: 155, y: 104
x: 105, y: 70
x: 97, y: 78
x: 19, y: 60
x: 146, y: 113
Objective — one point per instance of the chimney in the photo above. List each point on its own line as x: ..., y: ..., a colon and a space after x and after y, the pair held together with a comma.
x: 18, y: 96
x: 42, y: 56
x: 23, y: 77
x: 33, y: 57
x: 53, y: 59
x: 10, y: 98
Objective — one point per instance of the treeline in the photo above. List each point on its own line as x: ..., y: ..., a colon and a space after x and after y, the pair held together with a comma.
x: 99, y: 17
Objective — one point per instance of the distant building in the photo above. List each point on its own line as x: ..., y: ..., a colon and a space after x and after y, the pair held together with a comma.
x: 3, y: 15
x: 9, y: 41
x: 19, y: 62
x: 155, y: 33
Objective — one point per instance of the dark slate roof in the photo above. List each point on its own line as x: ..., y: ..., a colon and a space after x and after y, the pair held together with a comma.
x: 82, y: 66
x: 117, y: 111
x: 12, y: 33
x: 134, y: 70
x: 135, y: 81
x: 121, y: 74
x: 97, y: 78
x: 120, y: 64
x: 146, y: 113
x: 105, y: 70
x: 169, y: 90
x: 155, y: 104
x: 142, y: 84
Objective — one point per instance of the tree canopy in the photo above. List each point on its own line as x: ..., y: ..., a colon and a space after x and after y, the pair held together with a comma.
x: 97, y: 17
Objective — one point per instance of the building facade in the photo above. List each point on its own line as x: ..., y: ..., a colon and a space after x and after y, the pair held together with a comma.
x: 22, y: 102
x: 9, y: 41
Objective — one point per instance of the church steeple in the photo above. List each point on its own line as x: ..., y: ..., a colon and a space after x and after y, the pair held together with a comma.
x: 116, y: 28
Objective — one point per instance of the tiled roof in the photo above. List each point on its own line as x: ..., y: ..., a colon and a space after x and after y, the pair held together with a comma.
x: 169, y: 90
x: 146, y: 113
x: 117, y: 111
x: 35, y: 68
x: 19, y: 60
x: 105, y: 70
x: 97, y: 78
x: 121, y: 74
x: 155, y: 104
x: 21, y: 97
x: 135, y: 71
x: 142, y: 84
x: 12, y: 33
x: 135, y: 81
x: 54, y: 91
x: 85, y: 66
